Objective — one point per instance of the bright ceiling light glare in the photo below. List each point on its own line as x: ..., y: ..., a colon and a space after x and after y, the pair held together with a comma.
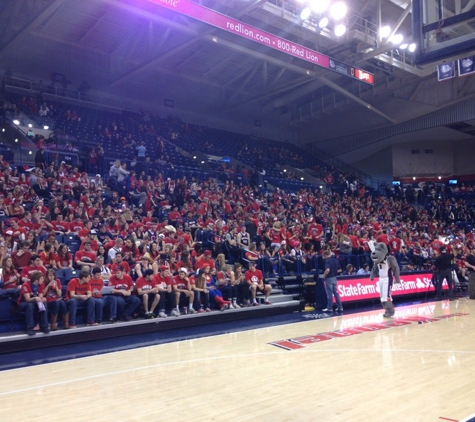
x: 338, y: 11
x: 323, y: 22
x: 16, y: 122
x: 30, y: 125
x: 319, y: 6
x: 45, y: 127
x: 340, y: 30
x: 305, y: 13
x: 385, y: 31
x: 397, y: 38
x: 412, y: 47
x: 404, y: 46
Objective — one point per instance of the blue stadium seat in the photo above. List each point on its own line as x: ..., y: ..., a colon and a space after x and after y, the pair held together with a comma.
x: 69, y: 274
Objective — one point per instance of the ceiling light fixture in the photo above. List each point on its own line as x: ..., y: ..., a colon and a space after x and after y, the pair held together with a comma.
x: 323, y: 22
x: 385, y: 31
x: 305, y: 13
x: 340, y: 30
x: 319, y: 6
x: 338, y: 11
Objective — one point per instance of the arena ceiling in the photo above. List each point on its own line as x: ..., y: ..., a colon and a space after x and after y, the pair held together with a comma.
x: 138, y: 48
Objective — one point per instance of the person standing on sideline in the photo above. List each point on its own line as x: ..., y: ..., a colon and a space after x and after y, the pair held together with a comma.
x: 444, y: 264
x: 332, y: 268
x: 470, y: 264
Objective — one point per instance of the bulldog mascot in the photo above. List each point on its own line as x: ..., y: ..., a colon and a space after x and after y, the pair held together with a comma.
x: 386, y: 268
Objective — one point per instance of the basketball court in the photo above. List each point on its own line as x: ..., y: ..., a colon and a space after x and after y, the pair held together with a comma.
x: 355, y: 367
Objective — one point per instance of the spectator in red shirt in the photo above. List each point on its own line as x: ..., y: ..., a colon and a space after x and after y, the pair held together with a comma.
x: 205, y: 260
x: 182, y: 286
x: 86, y: 256
x: 119, y: 262
x: 383, y: 237
x: 22, y: 257
x: 164, y: 282
x: 97, y: 283
x: 255, y: 280
x: 124, y: 302
x: 147, y: 290
x: 35, y: 265
x: 59, y: 225
x: 31, y: 299
x: 48, y: 257
x: 51, y: 290
x: 79, y: 293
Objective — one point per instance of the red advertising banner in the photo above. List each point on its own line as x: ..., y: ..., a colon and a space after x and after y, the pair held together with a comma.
x: 259, y: 36
x: 353, y: 289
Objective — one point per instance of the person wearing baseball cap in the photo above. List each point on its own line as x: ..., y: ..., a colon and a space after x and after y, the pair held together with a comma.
x: 182, y: 286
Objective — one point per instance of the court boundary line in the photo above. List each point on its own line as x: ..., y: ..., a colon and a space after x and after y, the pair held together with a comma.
x: 246, y: 355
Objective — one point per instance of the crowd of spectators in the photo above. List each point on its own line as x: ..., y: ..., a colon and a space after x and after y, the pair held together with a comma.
x: 176, y: 244
x: 282, y: 227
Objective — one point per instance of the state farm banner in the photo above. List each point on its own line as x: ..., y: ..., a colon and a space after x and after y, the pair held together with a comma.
x: 354, y: 289
x: 218, y: 20
x: 466, y: 66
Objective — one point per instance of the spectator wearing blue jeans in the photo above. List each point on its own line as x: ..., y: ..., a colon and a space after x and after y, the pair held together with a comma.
x: 332, y: 269
x: 31, y: 300
x: 122, y: 302
x: 79, y: 293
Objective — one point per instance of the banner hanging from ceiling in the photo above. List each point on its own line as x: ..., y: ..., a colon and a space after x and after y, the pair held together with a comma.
x: 445, y: 71
x: 467, y: 66
x: 218, y: 20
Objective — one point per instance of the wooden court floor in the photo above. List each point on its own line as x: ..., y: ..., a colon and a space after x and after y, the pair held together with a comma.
x: 358, y: 367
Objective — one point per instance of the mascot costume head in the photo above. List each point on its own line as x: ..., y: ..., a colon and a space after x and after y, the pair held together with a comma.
x: 385, y: 267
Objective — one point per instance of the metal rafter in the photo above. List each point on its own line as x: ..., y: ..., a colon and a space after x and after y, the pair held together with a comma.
x: 28, y: 29
x: 61, y: 40
x: 302, y: 70
x: 190, y: 57
x: 94, y: 26
x: 384, y: 44
x: 219, y: 65
x: 10, y: 17
x: 127, y: 38
x: 277, y: 91
x: 243, y: 85
x: 141, y: 67
x: 198, y: 35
